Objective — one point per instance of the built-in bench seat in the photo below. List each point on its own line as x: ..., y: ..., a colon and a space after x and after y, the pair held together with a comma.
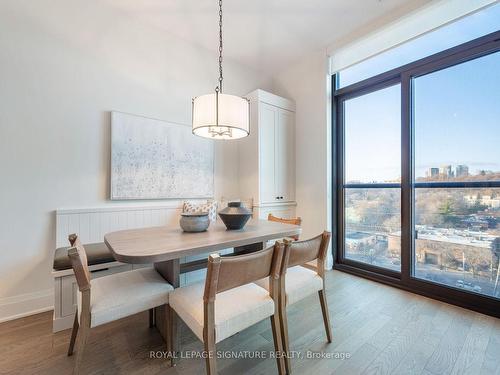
x: 97, y: 253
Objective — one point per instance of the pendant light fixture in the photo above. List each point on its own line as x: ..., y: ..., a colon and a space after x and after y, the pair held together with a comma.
x: 218, y: 115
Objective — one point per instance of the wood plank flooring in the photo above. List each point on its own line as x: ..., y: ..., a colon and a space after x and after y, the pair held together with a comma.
x: 377, y: 330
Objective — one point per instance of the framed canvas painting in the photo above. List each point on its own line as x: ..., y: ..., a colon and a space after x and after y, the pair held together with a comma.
x: 154, y: 159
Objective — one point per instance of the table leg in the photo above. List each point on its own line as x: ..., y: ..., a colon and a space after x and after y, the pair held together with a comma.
x: 170, y: 270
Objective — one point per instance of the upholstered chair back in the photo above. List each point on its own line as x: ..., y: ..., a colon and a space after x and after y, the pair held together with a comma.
x: 301, y: 252
x: 224, y: 273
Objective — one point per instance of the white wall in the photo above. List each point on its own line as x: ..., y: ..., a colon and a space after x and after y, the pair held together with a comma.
x: 306, y: 82
x: 64, y: 64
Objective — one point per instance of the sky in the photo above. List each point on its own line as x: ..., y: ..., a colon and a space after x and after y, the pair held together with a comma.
x: 457, y: 110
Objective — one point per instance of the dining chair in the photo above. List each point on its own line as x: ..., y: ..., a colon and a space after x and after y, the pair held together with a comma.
x: 112, y: 297
x: 300, y: 278
x: 294, y: 221
x: 228, y: 301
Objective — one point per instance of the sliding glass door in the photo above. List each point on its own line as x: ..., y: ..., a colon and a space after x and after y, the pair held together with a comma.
x: 417, y: 172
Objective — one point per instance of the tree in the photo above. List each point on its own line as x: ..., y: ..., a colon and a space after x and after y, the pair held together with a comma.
x: 495, y: 248
x: 427, y: 205
x: 447, y: 212
x: 476, y: 259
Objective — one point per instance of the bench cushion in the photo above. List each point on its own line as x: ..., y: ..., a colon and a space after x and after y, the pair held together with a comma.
x: 97, y: 253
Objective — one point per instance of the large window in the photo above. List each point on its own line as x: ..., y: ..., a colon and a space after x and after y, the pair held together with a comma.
x: 457, y: 145
x: 372, y: 191
x: 417, y: 166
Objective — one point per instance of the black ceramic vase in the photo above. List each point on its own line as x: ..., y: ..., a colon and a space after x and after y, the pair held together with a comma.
x: 234, y: 216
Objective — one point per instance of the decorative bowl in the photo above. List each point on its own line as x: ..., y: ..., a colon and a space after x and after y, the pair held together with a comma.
x: 234, y: 216
x: 194, y: 221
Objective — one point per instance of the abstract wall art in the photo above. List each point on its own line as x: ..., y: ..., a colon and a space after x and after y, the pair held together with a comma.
x: 154, y: 159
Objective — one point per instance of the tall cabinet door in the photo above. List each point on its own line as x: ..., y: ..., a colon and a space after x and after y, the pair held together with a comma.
x: 268, y: 120
x: 285, y: 156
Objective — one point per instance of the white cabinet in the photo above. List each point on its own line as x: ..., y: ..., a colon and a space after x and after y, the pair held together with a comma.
x: 285, y: 156
x: 267, y: 156
x: 268, y: 115
x: 276, y: 127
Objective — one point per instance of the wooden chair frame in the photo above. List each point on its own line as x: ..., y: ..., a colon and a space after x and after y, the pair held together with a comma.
x: 81, y: 327
x: 302, y: 253
x: 294, y: 221
x: 225, y: 273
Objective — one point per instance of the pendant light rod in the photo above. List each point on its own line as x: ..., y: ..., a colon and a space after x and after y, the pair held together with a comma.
x: 220, y: 47
x: 218, y: 115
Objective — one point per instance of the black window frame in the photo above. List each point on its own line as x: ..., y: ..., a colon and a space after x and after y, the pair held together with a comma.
x: 404, y: 75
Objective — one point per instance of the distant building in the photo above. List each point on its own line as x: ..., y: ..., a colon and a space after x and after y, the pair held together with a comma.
x: 432, y: 172
x: 472, y: 199
x: 461, y: 171
x: 447, y: 248
x: 485, y: 200
x: 446, y: 171
x: 489, y: 201
x: 357, y: 240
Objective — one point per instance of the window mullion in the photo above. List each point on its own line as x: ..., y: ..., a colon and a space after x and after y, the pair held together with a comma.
x: 406, y: 178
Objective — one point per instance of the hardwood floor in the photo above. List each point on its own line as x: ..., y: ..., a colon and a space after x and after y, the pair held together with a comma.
x: 383, y: 331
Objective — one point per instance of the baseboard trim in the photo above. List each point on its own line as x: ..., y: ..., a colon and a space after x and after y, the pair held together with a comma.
x: 22, y: 305
x: 61, y: 324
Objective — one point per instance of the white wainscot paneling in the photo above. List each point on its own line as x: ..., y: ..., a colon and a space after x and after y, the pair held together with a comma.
x: 91, y: 224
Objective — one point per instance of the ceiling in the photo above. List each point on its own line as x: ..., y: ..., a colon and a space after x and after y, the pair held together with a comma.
x: 267, y: 34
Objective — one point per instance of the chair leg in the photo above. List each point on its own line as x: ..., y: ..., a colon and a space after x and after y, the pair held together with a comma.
x: 285, y: 339
x: 82, y: 340
x: 210, y: 359
x: 74, y: 332
x: 152, y: 320
x: 278, y: 343
x: 168, y: 323
x: 173, y: 329
x: 326, y: 314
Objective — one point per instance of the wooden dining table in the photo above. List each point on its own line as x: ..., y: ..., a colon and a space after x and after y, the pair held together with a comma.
x: 164, y: 247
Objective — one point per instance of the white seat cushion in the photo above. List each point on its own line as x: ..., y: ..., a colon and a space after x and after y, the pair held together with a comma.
x: 235, y: 309
x: 300, y: 282
x: 122, y: 294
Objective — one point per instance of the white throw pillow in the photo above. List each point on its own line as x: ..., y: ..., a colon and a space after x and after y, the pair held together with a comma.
x: 209, y: 206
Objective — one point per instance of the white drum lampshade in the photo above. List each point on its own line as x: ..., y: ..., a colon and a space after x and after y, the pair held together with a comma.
x: 221, y: 116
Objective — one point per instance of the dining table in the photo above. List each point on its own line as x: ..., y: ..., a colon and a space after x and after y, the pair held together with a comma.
x: 165, y: 246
